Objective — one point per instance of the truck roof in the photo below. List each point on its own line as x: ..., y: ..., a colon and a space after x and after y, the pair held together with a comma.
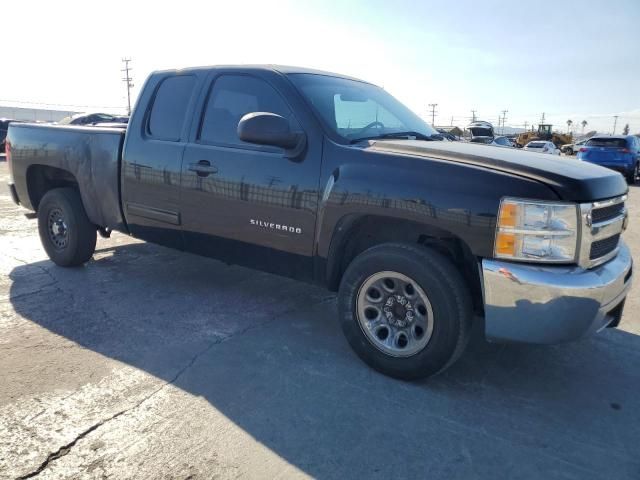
x: 283, y: 69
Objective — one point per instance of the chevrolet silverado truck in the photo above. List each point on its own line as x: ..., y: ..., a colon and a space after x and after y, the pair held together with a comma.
x: 331, y: 180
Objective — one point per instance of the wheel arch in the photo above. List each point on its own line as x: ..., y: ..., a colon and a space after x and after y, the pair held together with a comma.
x: 43, y: 178
x: 356, y: 233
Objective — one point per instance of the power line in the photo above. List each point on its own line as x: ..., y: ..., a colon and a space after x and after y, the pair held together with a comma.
x: 129, y: 82
x: 433, y: 112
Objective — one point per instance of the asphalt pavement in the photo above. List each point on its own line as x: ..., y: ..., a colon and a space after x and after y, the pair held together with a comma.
x: 152, y: 363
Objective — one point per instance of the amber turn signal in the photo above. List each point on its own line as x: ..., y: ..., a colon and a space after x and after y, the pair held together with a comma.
x: 508, y: 215
x: 506, y: 244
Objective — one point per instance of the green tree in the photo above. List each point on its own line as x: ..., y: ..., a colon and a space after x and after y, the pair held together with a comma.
x: 569, y: 123
x: 625, y: 130
x: 584, y: 123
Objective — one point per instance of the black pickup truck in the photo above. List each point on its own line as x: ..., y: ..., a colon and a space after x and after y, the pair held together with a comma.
x: 331, y: 180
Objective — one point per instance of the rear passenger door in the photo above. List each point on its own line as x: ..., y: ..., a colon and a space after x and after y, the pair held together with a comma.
x: 246, y: 203
x: 152, y: 158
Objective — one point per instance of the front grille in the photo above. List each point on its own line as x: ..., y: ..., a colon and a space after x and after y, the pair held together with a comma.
x: 603, y: 247
x: 606, y: 213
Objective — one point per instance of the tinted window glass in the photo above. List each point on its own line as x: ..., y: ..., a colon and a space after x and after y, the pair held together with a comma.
x: 232, y: 97
x: 607, y: 142
x: 355, y: 110
x: 170, y: 107
x: 357, y: 114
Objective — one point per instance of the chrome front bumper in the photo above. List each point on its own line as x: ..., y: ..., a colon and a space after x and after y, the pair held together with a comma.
x: 553, y: 304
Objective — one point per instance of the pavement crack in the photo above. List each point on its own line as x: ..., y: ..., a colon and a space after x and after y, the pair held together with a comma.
x: 65, y: 449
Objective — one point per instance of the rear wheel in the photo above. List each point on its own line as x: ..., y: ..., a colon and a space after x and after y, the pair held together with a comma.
x: 405, y: 310
x: 66, y: 233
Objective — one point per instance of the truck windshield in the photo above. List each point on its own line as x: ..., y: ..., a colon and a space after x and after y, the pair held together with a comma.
x: 356, y: 110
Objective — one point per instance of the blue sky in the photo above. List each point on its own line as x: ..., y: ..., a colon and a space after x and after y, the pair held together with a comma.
x: 569, y: 59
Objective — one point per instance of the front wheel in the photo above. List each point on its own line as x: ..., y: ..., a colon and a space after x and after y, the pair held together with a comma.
x: 66, y: 233
x: 405, y: 310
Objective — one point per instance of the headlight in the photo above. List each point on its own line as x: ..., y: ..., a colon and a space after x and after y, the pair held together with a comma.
x: 537, y: 231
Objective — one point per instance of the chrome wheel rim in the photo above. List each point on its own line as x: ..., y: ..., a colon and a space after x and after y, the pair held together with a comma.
x: 394, y: 313
x: 57, y: 229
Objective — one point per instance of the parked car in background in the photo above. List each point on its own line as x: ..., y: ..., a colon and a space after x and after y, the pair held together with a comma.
x: 446, y: 135
x: 93, y: 118
x: 497, y: 141
x: 571, y: 148
x: 4, y: 127
x: 620, y: 153
x: 542, y: 147
x: 481, y: 132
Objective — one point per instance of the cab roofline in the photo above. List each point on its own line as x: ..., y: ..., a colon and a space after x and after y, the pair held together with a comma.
x: 282, y: 69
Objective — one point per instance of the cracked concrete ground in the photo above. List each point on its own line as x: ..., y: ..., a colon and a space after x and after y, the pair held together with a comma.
x: 151, y: 363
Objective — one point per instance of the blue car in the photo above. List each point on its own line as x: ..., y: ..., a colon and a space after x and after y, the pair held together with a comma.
x: 617, y: 152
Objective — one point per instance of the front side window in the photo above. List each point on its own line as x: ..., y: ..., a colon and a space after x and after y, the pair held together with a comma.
x: 170, y: 107
x: 356, y: 110
x: 232, y: 97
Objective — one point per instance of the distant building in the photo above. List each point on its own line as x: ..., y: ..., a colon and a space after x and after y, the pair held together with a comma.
x: 34, y: 114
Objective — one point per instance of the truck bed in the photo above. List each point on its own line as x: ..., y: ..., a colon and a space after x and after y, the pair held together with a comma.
x: 88, y: 156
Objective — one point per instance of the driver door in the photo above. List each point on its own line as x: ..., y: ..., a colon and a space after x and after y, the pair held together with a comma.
x: 243, y: 203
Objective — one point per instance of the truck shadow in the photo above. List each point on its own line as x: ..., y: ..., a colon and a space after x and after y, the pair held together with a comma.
x: 267, y: 353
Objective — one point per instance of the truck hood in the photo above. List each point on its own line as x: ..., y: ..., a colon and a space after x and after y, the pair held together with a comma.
x: 573, y: 180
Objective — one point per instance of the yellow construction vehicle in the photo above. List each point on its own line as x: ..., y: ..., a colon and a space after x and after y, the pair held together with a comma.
x: 544, y: 133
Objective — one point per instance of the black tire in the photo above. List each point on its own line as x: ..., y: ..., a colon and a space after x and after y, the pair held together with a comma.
x: 569, y: 151
x: 72, y: 240
x: 632, y: 177
x: 447, y: 294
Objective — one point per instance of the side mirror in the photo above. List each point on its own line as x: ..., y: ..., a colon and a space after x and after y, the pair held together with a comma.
x: 264, y: 128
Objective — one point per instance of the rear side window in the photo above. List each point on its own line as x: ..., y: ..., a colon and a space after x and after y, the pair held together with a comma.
x: 608, y: 142
x: 232, y: 97
x: 170, y: 107
x: 537, y: 144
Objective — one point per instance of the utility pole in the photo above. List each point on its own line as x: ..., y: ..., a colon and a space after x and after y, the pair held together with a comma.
x: 504, y: 119
x: 542, y: 120
x: 473, y: 115
x: 129, y: 82
x: 433, y: 113
x: 452, y: 121
x: 525, y: 125
x: 615, y: 122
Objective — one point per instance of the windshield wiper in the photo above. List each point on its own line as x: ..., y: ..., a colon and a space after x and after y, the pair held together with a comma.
x: 415, y: 135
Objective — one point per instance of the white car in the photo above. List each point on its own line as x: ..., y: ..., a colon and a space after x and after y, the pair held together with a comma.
x: 482, y: 132
x: 571, y: 148
x: 542, y: 147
